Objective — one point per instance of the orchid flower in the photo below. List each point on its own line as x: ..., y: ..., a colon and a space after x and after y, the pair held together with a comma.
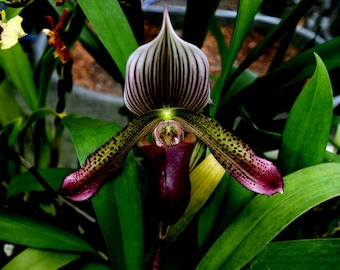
x: 56, y: 40
x: 10, y: 31
x: 167, y: 83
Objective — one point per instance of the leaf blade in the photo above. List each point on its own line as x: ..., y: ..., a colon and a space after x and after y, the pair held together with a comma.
x: 264, y: 217
x: 307, y: 130
x: 113, y: 29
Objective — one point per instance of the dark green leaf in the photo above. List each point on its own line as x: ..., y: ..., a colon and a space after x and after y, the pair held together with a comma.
x: 26, y: 182
x: 28, y: 232
x: 95, y: 266
x: 276, y: 91
x: 118, y: 203
x: 119, y: 212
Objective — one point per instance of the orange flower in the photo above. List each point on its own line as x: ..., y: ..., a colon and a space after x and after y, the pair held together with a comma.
x: 59, y: 3
x: 55, y: 39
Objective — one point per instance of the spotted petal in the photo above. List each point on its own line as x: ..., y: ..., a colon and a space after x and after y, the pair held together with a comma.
x: 166, y: 72
x: 107, y: 160
x: 253, y: 172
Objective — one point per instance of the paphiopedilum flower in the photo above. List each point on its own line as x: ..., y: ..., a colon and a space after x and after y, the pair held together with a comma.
x: 55, y: 38
x: 167, y: 83
x: 10, y: 31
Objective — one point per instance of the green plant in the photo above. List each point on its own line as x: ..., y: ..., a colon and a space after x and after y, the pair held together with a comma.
x: 224, y: 226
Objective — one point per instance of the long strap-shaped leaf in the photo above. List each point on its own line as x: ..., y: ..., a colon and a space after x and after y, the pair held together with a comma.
x: 299, y: 254
x: 263, y: 218
x: 122, y: 228
x: 32, y: 258
x: 113, y: 29
x: 28, y: 232
x: 308, y: 126
x: 246, y: 12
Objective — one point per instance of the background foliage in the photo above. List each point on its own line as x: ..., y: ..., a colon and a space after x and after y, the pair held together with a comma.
x: 288, y: 110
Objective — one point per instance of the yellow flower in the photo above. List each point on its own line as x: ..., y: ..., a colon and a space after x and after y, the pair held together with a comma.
x: 10, y: 31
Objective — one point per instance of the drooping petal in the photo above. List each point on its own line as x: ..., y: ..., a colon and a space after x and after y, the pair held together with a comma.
x: 107, y: 160
x: 168, y: 172
x: 166, y: 72
x: 253, y: 172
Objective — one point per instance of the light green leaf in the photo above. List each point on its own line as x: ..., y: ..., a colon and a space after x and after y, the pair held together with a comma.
x: 28, y: 232
x: 113, y: 29
x: 307, y: 130
x: 17, y: 67
x: 264, y: 217
x: 31, y: 259
x: 10, y: 109
x: 297, y: 255
x: 210, y: 213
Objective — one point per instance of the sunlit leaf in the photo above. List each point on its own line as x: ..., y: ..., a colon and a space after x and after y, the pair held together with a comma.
x: 301, y: 254
x: 19, y: 70
x: 264, y: 217
x: 309, y: 122
x: 10, y: 109
x: 32, y: 258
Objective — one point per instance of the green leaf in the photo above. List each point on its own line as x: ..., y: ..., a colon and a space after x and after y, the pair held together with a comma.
x: 17, y: 67
x: 296, y: 255
x: 287, y: 24
x: 118, y: 202
x: 119, y: 213
x: 281, y: 91
x: 307, y: 130
x: 31, y: 259
x: 92, y: 131
x: 26, y: 182
x: 28, y: 232
x: 264, y: 217
x: 10, y: 109
x: 113, y: 29
x: 210, y: 213
x: 246, y: 12
x: 95, y: 266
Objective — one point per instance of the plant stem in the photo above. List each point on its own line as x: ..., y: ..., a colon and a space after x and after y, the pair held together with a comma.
x: 162, y: 235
